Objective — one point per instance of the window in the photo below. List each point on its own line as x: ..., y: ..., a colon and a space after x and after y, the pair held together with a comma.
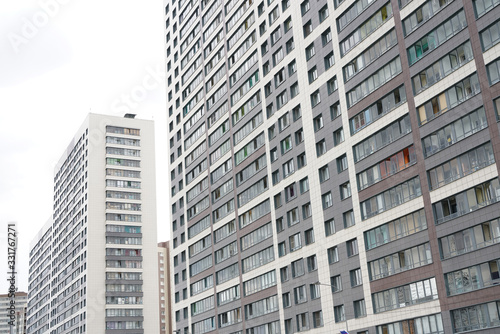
x: 228, y: 295
x: 338, y: 136
x: 493, y: 70
x: 281, y: 99
x: 336, y: 283
x: 339, y: 313
x: 299, y: 136
x: 279, y: 77
x: 292, y: 67
x: 264, y: 48
x: 260, y: 9
x: 296, y: 113
x: 450, y: 98
x: 366, y: 29
x: 484, y: 6
x: 323, y: 13
x: 224, y: 231
x: 373, y: 82
x: 310, y: 51
x: 396, y: 229
x: 288, y: 168
x: 302, y: 322
x: 306, y: 211
x: 438, y: 36
x: 286, y: 145
x: 301, y: 160
x: 276, y: 178
x: 454, y: 132
x: 382, y: 138
x: 380, y: 108
x: 422, y: 14
x: 259, y: 283
x: 278, y: 56
x: 391, y: 198
x: 483, y: 275
x: 286, y: 300
x: 273, y: 15
x: 356, y: 278
x: 254, y: 213
x: 315, y: 98
x: 298, y: 269
x: 414, y: 325
x: 304, y: 7
x: 342, y: 163
x: 333, y: 255
x: 312, y: 74
x: 345, y: 190
x: 321, y: 148
x: 387, y: 167
x: 461, y: 241
x: 285, y: 4
x: 332, y: 85
x: 359, y: 308
x: 304, y: 185
x: 467, y: 201
x: 258, y: 259
x: 249, y: 149
x: 329, y: 227
x: 249, y: 171
x: 312, y: 263
x: 284, y: 274
x: 326, y: 36
x: 480, y: 316
x: 327, y: 200
x: 282, y: 249
x: 295, y: 242
x: 402, y: 296
x: 261, y: 307
x: 288, y: 24
x: 275, y: 35
x: 279, y: 224
x: 315, y: 291
x: 401, y: 261
x: 352, y: 247
x: 371, y: 54
x: 268, y: 89
x: 300, y: 294
x: 309, y: 236
x: 277, y: 200
x: 271, y: 132
x: 443, y: 67
x: 318, y: 122
x: 224, y: 253
x: 329, y: 60
x: 317, y: 319
x: 284, y: 121
x: 266, y: 68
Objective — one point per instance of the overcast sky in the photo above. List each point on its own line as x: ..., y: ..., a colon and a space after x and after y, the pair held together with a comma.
x: 59, y: 60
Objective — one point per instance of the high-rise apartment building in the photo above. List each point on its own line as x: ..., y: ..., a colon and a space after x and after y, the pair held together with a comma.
x: 13, y: 315
x: 93, y: 267
x: 334, y: 165
x: 164, y: 287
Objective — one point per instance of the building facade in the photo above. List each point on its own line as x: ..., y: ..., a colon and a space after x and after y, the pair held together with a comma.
x: 17, y: 323
x: 164, y: 287
x: 334, y: 165
x: 88, y: 263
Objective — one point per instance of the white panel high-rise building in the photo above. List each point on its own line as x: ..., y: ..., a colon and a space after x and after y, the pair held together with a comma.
x: 93, y: 267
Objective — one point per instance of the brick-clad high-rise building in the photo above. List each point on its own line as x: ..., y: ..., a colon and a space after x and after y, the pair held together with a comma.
x: 334, y: 165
